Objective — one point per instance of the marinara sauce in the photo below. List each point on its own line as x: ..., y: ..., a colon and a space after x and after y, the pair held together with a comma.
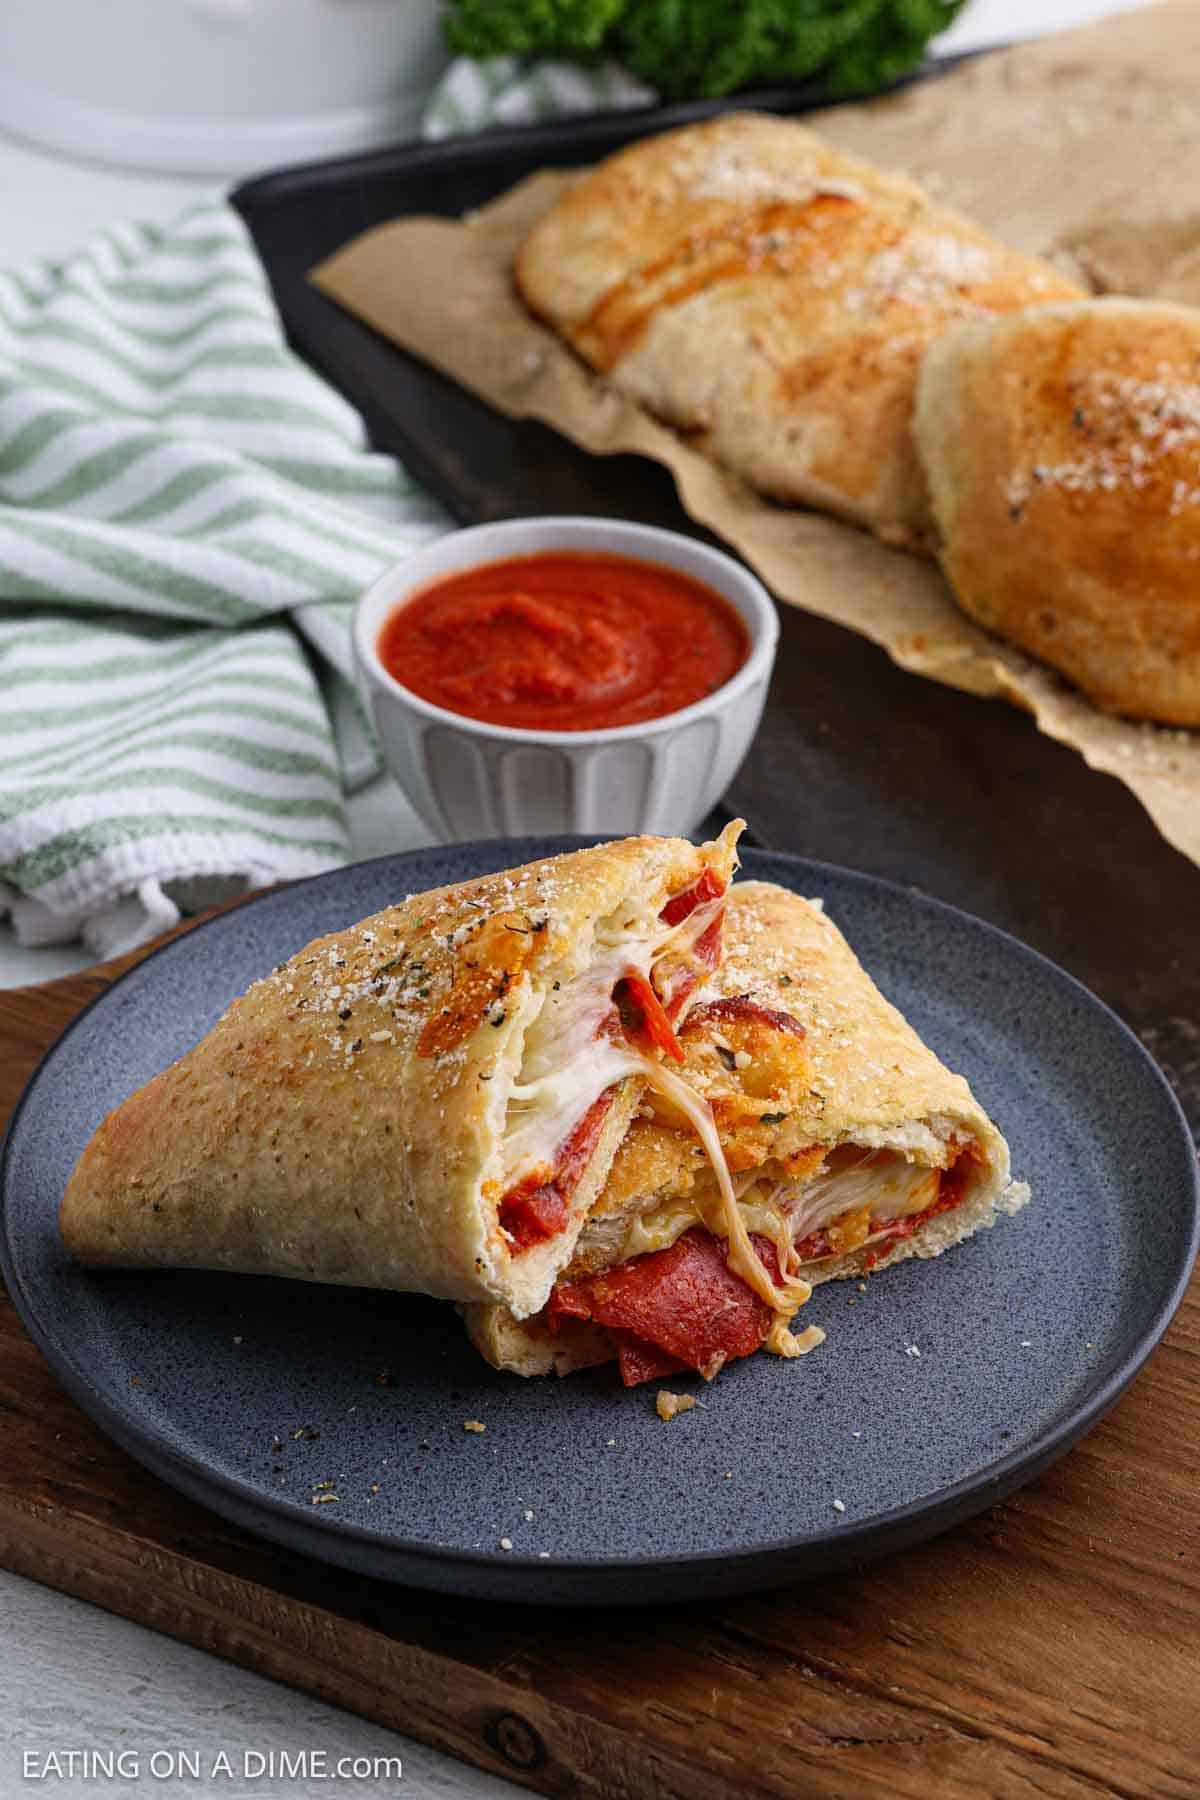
x: 564, y: 642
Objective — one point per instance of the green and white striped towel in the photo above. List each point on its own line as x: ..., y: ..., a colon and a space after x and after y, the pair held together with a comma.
x: 187, y: 513
x: 508, y: 90
x: 182, y: 504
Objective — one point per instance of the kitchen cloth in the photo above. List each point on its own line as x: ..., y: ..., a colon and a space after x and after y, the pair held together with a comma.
x: 187, y: 514
x: 476, y: 92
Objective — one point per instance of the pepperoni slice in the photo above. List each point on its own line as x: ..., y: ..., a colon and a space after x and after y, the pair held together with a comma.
x: 639, y: 1361
x: 683, y: 981
x: 643, y: 1017
x: 534, y: 1209
x: 707, y: 887
x: 684, y: 1305
x: 707, y: 947
x: 741, y: 1006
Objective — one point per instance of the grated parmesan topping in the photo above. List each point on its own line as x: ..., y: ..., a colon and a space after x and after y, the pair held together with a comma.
x: 1127, y: 429
x: 729, y: 174
x: 920, y: 269
x: 377, y: 984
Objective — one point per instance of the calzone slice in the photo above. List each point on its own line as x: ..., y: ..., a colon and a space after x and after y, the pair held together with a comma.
x: 773, y: 296
x: 849, y: 1147
x: 429, y: 1100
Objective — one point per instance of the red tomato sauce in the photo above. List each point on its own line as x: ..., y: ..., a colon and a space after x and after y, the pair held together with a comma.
x: 564, y: 642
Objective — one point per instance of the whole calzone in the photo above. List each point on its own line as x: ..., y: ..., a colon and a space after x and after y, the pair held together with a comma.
x: 773, y: 297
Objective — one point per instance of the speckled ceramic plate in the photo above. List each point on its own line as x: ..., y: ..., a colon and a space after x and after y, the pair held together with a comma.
x: 256, y: 1396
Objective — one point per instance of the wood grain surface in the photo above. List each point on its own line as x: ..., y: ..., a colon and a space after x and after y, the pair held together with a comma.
x: 1050, y: 1647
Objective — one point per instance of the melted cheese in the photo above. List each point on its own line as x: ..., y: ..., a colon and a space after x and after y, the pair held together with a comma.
x: 882, y: 1182
x: 740, y: 1254
x: 782, y: 1342
x: 658, y: 1229
x: 566, y: 1065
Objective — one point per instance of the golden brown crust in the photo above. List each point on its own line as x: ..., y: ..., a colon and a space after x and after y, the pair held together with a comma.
x: 860, y: 1072
x: 342, y: 1121
x: 772, y: 296
x: 529, y: 1347
x: 1063, y: 452
x: 869, y: 1073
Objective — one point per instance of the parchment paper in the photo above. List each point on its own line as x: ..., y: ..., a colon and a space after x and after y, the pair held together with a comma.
x: 1085, y: 145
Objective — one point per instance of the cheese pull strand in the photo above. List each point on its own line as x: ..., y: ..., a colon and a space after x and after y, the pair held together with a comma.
x: 741, y: 1255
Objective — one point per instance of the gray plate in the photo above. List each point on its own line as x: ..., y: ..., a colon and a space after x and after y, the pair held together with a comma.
x: 1026, y: 1335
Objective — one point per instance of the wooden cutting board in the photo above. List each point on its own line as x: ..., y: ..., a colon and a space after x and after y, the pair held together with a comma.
x: 1050, y: 1647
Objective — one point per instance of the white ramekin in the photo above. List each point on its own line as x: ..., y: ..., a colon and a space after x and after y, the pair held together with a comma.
x: 467, y: 779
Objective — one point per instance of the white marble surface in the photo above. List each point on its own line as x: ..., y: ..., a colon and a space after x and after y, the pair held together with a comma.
x: 75, y: 1677
x: 78, y: 1679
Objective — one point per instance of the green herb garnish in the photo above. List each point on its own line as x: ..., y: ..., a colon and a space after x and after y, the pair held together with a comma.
x: 706, y: 48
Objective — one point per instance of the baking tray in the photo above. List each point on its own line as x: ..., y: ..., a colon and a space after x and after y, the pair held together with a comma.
x: 856, y: 761
x: 479, y: 464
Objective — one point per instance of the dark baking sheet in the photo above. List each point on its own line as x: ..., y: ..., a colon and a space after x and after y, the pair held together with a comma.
x: 856, y: 761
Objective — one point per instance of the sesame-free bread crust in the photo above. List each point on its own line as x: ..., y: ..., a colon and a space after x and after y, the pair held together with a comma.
x: 772, y: 296
x: 1063, y: 454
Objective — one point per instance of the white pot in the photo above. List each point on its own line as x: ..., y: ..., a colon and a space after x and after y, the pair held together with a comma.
x: 216, y: 86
